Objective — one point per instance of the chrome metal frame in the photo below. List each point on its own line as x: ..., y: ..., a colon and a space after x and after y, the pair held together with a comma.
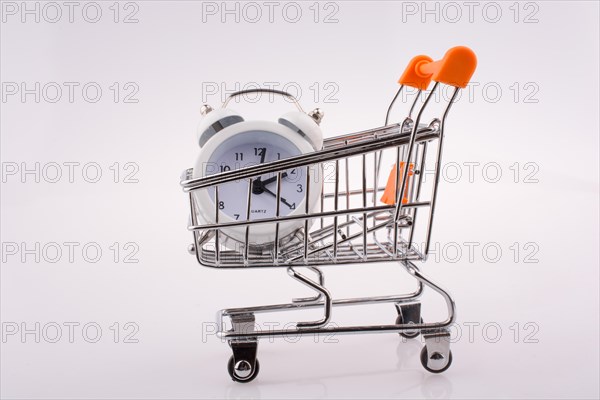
x: 346, y: 233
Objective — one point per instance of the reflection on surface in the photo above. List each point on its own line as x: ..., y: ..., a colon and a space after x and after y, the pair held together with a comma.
x: 242, y: 391
x: 436, y: 386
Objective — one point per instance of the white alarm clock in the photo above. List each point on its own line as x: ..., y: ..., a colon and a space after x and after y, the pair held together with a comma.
x: 228, y: 142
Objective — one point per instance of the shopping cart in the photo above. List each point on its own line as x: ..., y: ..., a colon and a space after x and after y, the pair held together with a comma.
x: 358, y: 221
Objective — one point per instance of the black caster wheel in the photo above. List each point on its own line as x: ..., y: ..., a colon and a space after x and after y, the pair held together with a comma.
x: 424, y: 359
x: 242, y: 372
x: 407, y: 335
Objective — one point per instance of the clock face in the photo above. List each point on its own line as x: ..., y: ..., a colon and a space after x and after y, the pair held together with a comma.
x: 252, y: 148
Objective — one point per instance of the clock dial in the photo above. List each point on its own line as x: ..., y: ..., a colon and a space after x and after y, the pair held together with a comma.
x: 253, y: 148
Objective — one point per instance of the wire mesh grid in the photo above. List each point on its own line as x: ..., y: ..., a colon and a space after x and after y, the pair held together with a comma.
x: 351, y: 223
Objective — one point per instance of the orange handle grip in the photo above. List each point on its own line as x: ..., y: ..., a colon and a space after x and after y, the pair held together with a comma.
x: 413, y: 76
x: 456, y: 67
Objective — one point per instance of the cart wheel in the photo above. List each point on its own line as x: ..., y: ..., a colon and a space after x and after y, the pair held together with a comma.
x: 408, y: 335
x: 242, y: 372
x: 436, y: 356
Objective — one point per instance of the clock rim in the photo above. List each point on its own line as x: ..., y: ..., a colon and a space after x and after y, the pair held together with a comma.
x: 262, y: 234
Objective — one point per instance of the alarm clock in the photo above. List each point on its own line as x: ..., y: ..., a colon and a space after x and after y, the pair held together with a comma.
x: 229, y: 142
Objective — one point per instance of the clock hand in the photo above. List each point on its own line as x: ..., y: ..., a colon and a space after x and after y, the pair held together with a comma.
x: 258, y: 186
x: 263, y: 154
x: 273, y: 179
x: 284, y: 201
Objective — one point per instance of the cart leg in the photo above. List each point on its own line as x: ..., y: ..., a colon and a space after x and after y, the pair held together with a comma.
x: 414, y: 271
x: 319, y: 295
x: 436, y: 356
x: 322, y: 292
x: 243, y: 366
x: 409, y: 313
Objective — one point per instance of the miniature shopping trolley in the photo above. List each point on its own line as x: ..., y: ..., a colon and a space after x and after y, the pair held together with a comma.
x: 275, y: 194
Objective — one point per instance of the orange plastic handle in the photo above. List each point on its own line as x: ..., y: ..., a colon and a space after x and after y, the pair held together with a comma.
x: 456, y: 67
x: 413, y: 76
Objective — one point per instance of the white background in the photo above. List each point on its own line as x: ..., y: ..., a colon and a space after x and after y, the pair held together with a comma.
x: 534, y: 100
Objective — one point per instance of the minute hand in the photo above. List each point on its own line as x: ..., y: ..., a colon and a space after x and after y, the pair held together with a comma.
x: 280, y: 198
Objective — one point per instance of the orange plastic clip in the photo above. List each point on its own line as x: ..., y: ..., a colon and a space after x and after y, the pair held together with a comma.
x: 389, y: 194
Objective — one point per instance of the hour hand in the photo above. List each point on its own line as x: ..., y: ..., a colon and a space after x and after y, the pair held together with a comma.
x: 258, y: 185
x: 273, y: 179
